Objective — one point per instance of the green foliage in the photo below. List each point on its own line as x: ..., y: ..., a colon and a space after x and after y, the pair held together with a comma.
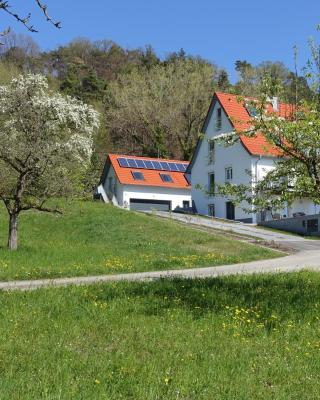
x: 46, y: 142
x: 85, y: 70
x: 160, y: 111
x: 148, y: 106
x: 7, y: 72
x: 251, y: 80
x: 241, y: 337
x: 92, y: 238
x: 88, y: 88
x: 296, y: 173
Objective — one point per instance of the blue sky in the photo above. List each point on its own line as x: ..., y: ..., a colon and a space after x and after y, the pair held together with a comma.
x: 221, y: 31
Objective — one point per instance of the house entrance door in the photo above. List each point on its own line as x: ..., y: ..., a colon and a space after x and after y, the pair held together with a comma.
x: 230, y: 212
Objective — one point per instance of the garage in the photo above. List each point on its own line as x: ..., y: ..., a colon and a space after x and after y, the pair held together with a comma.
x: 144, y: 204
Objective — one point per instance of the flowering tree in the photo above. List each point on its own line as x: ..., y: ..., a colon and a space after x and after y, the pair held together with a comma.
x: 45, y: 143
x: 296, y: 173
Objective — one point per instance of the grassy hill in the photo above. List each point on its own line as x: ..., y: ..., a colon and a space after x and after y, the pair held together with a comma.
x: 93, y: 238
x: 245, y: 337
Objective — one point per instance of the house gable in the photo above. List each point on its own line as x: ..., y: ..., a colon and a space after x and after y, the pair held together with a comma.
x: 213, y: 161
x: 236, y: 113
x: 209, y: 128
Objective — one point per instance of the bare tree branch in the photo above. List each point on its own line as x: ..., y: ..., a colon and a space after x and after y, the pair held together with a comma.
x: 41, y: 208
x: 44, y: 9
x: 5, y: 6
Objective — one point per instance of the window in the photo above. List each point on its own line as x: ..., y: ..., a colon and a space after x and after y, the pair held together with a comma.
x: 228, y: 174
x: 137, y: 176
x: 219, y: 119
x: 211, y: 153
x: 166, y: 178
x: 252, y: 110
x: 186, y: 204
x: 211, y: 184
x: 211, y: 210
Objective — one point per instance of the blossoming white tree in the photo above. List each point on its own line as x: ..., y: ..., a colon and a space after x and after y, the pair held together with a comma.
x: 45, y: 143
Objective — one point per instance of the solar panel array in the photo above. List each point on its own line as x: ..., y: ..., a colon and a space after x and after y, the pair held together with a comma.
x: 152, y: 164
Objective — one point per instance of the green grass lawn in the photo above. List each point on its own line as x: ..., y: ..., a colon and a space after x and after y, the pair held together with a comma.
x: 93, y: 238
x: 248, y: 337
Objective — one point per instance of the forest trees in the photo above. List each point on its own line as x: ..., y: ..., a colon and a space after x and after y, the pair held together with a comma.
x: 46, y: 143
x: 160, y: 111
x: 251, y: 78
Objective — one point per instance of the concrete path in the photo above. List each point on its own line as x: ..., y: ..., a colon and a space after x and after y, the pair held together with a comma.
x: 296, y: 262
x: 294, y: 242
x: 306, y: 257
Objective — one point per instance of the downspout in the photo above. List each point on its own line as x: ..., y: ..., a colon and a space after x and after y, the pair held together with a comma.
x: 256, y: 168
x: 256, y: 177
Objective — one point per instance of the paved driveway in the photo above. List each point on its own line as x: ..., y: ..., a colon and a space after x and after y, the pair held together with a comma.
x: 294, y: 242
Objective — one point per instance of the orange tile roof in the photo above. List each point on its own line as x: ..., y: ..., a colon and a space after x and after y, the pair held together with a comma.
x: 151, y: 176
x: 241, y: 121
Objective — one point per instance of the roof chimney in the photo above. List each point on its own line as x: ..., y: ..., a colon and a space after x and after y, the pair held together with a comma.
x: 275, y: 103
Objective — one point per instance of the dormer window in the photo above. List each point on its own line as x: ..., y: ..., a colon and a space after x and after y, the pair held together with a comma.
x: 219, y: 119
x: 166, y: 178
x: 137, y: 176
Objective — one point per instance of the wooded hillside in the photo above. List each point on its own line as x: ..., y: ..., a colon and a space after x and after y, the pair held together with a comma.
x: 149, y: 106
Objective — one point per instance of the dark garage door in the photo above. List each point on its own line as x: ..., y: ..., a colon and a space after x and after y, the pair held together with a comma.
x: 141, y: 204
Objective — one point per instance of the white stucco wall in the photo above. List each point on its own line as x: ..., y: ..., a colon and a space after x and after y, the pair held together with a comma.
x: 304, y: 205
x: 237, y: 157
x: 234, y: 156
x: 175, y: 195
x: 115, y: 188
x: 124, y: 193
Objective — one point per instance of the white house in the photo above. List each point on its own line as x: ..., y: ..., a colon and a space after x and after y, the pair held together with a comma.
x: 143, y: 183
x: 213, y: 163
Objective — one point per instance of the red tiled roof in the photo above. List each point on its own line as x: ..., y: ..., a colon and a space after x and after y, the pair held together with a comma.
x: 151, y: 176
x: 241, y: 121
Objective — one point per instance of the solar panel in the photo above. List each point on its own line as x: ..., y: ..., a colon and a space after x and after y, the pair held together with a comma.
x: 122, y: 162
x: 151, y: 164
x: 173, y: 167
x: 165, y: 166
x: 132, y: 163
x: 156, y: 165
x: 140, y: 164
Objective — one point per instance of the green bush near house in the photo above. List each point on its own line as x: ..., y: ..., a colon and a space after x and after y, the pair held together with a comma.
x: 246, y: 337
x: 93, y: 238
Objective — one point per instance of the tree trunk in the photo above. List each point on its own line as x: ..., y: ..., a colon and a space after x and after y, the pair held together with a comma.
x: 13, y: 232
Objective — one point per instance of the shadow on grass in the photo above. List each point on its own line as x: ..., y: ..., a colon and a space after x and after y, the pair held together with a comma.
x: 290, y: 296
